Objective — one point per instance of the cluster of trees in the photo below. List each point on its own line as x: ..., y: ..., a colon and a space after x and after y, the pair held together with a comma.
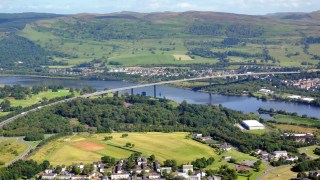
x: 19, y: 51
x: 207, y: 53
x: 313, y: 40
x: 317, y: 151
x: 202, y: 162
x: 23, y: 169
x: 229, y: 30
x: 307, y: 165
x: 224, y: 171
x: 34, y: 137
x: 108, y: 114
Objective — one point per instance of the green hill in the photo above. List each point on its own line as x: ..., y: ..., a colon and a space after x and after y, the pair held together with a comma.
x: 130, y: 38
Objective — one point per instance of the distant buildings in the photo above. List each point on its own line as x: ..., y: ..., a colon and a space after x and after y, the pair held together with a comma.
x: 252, y: 125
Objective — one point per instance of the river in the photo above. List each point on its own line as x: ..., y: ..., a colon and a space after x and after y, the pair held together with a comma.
x: 241, y: 103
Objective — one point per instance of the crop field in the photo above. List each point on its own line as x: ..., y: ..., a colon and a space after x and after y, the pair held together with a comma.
x: 182, y: 57
x: 37, y: 98
x: 88, y: 148
x: 10, y: 148
x: 283, y: 173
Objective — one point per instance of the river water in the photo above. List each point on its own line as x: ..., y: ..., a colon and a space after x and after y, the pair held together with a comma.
x: 241, y: 103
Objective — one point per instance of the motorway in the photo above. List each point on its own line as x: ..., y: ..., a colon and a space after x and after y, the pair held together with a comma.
x: 3, y: 123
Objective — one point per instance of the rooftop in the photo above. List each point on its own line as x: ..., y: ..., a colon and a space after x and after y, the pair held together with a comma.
x: 252, y: 123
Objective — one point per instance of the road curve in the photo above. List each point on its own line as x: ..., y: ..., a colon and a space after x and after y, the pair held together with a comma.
x: 3, y: 123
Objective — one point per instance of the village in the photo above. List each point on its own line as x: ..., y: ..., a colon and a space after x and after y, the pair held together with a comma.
x: 143, y: 168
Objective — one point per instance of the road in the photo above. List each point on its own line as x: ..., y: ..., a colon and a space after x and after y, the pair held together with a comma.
x: 3, y: 123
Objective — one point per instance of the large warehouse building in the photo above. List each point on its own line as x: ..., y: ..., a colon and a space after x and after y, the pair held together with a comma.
x: 252, y: 124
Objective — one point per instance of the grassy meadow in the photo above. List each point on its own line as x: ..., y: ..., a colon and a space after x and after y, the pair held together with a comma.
x: 37, y: 98
x: 10, y: 148
x: 88, y: 148
x: 309, y: 151
x: 283, y: 173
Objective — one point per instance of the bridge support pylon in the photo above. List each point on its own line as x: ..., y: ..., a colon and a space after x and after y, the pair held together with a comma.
x: 131, y: 91
x: 154, y: 91
x: 116, y: 93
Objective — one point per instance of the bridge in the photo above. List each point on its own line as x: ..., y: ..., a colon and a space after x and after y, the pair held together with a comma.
x: 116, y: 90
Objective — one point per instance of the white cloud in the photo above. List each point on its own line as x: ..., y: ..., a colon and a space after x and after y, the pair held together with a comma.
x: 185, y: 5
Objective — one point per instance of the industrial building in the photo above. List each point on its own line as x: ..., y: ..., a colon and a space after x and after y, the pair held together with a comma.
x: 252, y: 124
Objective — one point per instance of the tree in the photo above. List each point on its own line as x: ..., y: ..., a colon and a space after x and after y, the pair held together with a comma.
x: 302, y: 175
x: 257, y: 164
x: 152, y: 158
x: 58, y: 169
x: 76, y: 170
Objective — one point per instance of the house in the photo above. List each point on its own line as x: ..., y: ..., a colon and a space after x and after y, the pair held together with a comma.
x: 154, y: 175
x: 165, y: 169
x: 292, y: 158
x: 193, y: 177
x: 145, y: 168
x: 63, y: 168
x: 264, y: 91
x: 120, y: 176
x: 207, y: 138
x: 257, y: 151
x: 48, y: 176
x: 200, y: 173
x: 278, y: 154
x: 63, y: 176
x: 187, y: 168
x: 300, y: 137
x: 157, y: 166
x: 264, y: 153
x: 78, y: 177
x: 197, y: 135
x: 241, y: 167
x: 314, y: 173
x: 119, y: 168
x: 225, y: 147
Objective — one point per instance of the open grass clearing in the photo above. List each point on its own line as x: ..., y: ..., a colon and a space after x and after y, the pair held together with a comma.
x: 297, y: 129
x: 295, y: 119
x: 164, y: 146
x: 183, y: 57
x: 38, y: 98
x: 10, y: 148
x: 283, y: 173
x: 309, y: 151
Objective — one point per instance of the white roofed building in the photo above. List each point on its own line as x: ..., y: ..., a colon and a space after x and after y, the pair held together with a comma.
x: 252, y: 124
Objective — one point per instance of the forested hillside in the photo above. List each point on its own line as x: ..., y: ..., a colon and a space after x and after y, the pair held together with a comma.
x: 144, y: 115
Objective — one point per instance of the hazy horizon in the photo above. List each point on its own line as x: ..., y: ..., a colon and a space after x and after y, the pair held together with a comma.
x: 250, y: 7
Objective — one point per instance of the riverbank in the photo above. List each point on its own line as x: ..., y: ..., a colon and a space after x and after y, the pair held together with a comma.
x: 241, y: 103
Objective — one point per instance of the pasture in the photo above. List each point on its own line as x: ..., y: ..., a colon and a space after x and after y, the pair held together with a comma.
x: 89, y: 148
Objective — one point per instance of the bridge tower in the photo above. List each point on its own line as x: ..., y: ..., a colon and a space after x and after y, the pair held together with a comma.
x: 155, y: 91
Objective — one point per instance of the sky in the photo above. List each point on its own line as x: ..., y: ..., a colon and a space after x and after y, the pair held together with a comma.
x: 252, y: 7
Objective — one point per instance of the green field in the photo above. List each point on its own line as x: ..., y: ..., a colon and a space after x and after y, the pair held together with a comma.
x: 293, y: 119
x: 309, y: 151
x: 37, y: 98
x: 89, y: 148
x: 150, y: 51
x: 10, y: 148
x: 283, y: 173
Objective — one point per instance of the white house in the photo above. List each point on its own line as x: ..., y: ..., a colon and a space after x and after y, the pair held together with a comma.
x: 225, y: 147
x: 48, y: 176
x: 120, y: 176
x: 187, y: 168
x: 278, y: 154
x: 154, y: 175
x: 163, y: 169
